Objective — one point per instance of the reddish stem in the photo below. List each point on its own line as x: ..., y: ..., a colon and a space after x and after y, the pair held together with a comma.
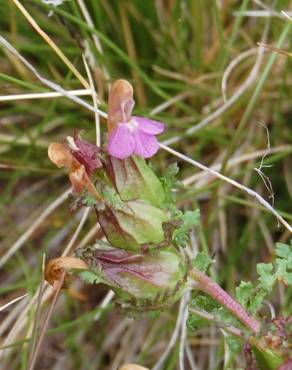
x: 207, y: 285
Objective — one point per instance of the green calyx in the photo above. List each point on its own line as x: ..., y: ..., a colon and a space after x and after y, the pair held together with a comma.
x: 142, y: 282
x: 266, y: 358
x: 134, y: 179
x: 130, y: 227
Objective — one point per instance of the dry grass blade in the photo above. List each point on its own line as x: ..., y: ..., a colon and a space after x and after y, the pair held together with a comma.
x: 47, y: 82
x: 287, y: 15
x: 37, y: 311
x: 277, y: 50
x: 23, y: 317
x: 46, y: 322
x: 96, y: 40
x: 94, y: 100
x: 12, y: 302
x: 24, y: 237
x: 179, y: 321
x: 47, y: 95
x: 235, y: 161
x: 250, y: 80
x: 239, y: 58
x: 251, y: 192
x: 51, y: 43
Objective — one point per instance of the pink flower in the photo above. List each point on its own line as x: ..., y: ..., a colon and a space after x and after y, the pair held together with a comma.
x: 129, y: 135
x: 137, y: 136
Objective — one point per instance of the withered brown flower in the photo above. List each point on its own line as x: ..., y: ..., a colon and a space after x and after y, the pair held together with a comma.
x: 80, y: 158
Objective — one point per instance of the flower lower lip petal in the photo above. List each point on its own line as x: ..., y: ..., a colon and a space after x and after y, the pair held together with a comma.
x: 146, y: 145
x: 122, y: 142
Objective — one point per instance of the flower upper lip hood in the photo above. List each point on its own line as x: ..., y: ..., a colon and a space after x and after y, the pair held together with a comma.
x: 120, y: 103
x: 129, y: 135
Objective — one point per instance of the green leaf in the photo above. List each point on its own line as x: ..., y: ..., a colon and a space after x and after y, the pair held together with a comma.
x: 202, y: 261
x: 284, y: 263
x: 235, y: 344
x: 170, y: 183
x: 284, y: 251
x: 243, y: 292
x: 88, y: 199
x: 208, y: 305
x: 189, y: 219
x: 284, y: 271
x: 256, y: 300
x: 196, y: 322
x: 204, y: 302
x: 251, y: 297
x: 267, y: 277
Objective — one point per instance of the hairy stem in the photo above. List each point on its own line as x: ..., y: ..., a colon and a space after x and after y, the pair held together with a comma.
x: 207, y: 285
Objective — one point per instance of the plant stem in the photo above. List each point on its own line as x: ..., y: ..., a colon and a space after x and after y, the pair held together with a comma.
x: 207, y: 285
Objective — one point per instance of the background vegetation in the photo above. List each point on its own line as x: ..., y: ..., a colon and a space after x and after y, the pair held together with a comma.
x: 176, y: 54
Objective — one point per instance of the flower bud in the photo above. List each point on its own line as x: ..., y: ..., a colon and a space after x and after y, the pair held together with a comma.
x: 134, y: 179
x: 142, y: 282
x: 132, y: 225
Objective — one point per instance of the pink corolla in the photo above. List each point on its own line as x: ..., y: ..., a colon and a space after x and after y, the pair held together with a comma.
x: 130, y: 135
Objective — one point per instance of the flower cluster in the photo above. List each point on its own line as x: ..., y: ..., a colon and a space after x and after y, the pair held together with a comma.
x: 137, y: 260
x: 141, y: 259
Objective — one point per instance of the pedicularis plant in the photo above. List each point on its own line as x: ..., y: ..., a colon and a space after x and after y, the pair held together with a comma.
x: 142, y: 257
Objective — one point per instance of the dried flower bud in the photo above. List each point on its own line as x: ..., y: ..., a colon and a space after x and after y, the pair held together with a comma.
x: 130, y: 226
x: 56, y: 267
x: 142, y: 282
x: 80, y: 181
x: 60, y: 155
